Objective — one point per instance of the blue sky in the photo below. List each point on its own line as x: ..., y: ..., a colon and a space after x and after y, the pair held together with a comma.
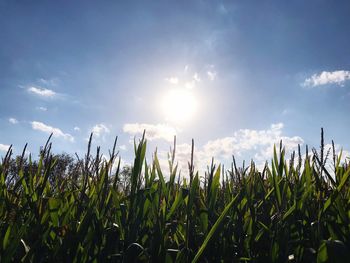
x: 256, y: 71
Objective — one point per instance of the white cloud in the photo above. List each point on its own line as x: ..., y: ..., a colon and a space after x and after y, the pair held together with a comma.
x: 196, y: 77
x: 41, y: 108
x: 192, y: 83
x: 211, y: 75
x: 49, y: 129
x: 182, y: 157
x: 46, y: 93
x: 243, y: 144
x: 4, y: 147
x: 76, y: 128
x: 123, y: 163
x: 13, y: 121
x: 338, y: 148
x: 172, y: 80
x: 326, y: 77
x: 99, y: 130
x: 157, y: 131
x: 245, y: 141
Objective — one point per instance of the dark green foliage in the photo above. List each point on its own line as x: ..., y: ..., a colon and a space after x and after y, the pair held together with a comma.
x: 56, y: 209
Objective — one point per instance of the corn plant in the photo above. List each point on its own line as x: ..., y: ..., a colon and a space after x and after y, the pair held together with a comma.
x: 293, y: 210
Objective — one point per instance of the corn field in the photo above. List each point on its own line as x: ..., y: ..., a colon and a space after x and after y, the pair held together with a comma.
x: 296, y: 209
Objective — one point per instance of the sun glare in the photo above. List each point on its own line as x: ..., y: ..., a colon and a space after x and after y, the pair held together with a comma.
x: 179, y: 105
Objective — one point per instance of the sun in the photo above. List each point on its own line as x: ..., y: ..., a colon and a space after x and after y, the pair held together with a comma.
x: 179, y: 105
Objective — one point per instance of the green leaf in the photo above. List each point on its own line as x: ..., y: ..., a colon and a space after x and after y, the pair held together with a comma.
x: 344, y: 179
x: 176, y: 203
x: 53, y: 208
x: 290, y: 211
x: 277, y: 188
x: 160, y: 174
x: 5, y: 242
x: 214, y: 189
x: 332, y: 251
x: 213, y: 229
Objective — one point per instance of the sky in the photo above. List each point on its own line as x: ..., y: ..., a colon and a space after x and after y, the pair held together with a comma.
x: 236, y: 76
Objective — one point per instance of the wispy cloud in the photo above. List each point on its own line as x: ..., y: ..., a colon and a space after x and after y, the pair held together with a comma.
x: 157, y: 131
x: 49, y: 129
x: 338, y: 77
x: 211, y: 75
x: 192, y: 83
x: 4, y: 147
x: 211, y: 72
x: 76, y: 128
x: 172, y: 80
x: 49, y: 82
x: 196, y: 77
x: 13, y: 121
x: 41, y: 108
x: 42, y: 92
